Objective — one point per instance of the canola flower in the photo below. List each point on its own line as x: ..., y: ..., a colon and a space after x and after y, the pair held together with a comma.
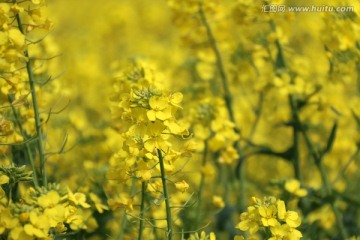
x: 145, y: 115
x: 45, y: 211
x: 270, y: 216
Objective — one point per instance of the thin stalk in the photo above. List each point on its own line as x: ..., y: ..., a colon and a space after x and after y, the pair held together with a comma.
x: 142, y: 210
x: 258, y: 112
x: 152, y: 221
x: 219, y: 62
x: 225, y: 181
x: 123, y: 226
x: 27, y: 147
x: 296, y: 131
x: 201, y: 186
x: 124, y: 219
x: 242, y: 186
x: 241, y: 199
x: 166, y: 196
x: 334, y: 207
x: 343, y: 170
x: 10, y: 194
x: 39, y: 141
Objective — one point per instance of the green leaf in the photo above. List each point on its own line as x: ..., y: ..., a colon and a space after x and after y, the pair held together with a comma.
x: 356, y: 117
x: 331, y: 139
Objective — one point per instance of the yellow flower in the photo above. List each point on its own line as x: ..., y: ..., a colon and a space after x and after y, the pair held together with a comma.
x: 290, y: 217
x: 38, y: 226
x: 175, y: 99
x: 55, y: 215
x: 228, y: 155
x: 324, y: 216
x: 122, y: 201
x: 143, y: 171
x: 18, y: 232
x: 203, y: 236
x: 154, y: 139
x: 60, y: 228
x: 16, y: 9
x: 50, y: 199
x: 293, y: 186
x: 3, y: 179
x: 268, y: 215
x: 249, y: 220
x: 2, y: 194
x: 159, y: 109
x: 73, y: 218
x: 77, y: 198
x: 6, y: 127
x: 182, y: 186
x: 98, y: 205
x: 218, y: 201
x: 293, y: 234
x: 278, y: 232
x: 7, y: 221
x: 16, y: 37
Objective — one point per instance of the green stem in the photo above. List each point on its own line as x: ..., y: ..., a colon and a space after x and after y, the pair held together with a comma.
x: 296, y: 122
x: 142, y: 210
x: 227, y: 94
x: 328, y: 189
x: 324, y: 178
x: 258, y: 112
x: 27, y: 147
x: 10, y: 194
x: 123, y: 226
x: 124, y: 219
x: 242, y: 186
x: 334, y: 207
x: 241, y: 199
x: 201, y: 186
x: 39, y: 141
x: 343, y: 170
x: 152, y: 221
x: 166, y: 196
x: 226, y: 183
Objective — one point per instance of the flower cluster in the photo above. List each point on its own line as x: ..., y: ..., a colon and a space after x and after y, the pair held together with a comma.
x: 24, y: 25
x: 202, y: 236
x: 29, y: 207
x: 270, y: 216
x: 45, y: 213
x: 145, y: 115
x: 211, y: 124
x: 155, y: 143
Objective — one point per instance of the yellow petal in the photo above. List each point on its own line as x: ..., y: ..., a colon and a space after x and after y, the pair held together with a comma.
x: 3, y: 38
x: 4, y: 179
x: 151, y: 114
x: 281, y: 209
x: 16, y: 37
x: 182, y: 186
x: 49, y: 200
